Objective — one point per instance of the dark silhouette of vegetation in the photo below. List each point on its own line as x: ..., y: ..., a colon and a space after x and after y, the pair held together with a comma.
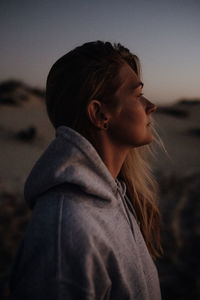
x: 8, y: 100
x: 190, y: 101
x: 179, y: 267
x: 14, y: 216
x: 10, y: 86
x: 174, y: 112
x: 194, y: 132
x: 38, y: 92
x: 14, y: 92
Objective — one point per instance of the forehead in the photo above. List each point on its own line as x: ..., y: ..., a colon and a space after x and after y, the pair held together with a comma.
x: 128, y: 78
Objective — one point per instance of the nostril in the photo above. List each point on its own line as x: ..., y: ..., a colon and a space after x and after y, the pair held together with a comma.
x: 155, y: 107
x: 152, y: 107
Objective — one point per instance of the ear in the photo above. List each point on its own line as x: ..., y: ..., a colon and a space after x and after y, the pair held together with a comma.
x: 97, y: 114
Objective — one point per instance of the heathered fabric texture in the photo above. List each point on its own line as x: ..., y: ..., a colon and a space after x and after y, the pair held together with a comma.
x: 83, y: 241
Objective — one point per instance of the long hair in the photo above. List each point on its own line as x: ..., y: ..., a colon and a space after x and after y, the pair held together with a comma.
x: 91, y: 72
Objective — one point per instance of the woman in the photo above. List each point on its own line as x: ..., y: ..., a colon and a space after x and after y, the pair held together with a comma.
x: 95, y: 224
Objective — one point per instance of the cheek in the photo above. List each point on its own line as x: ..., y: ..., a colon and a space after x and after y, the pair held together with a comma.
x: 133, y: 117
x: 129, y: 123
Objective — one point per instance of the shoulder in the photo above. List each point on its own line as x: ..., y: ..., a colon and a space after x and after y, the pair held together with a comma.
x: 80, y: 219
x: 61, y: 241
x: 73, y: 218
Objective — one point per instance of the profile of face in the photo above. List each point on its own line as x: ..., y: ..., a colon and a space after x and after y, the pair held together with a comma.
x: 130, y: 121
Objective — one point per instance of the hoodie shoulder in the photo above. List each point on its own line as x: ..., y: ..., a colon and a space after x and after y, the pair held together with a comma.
x: 70, y: 159
x: 59, y: 229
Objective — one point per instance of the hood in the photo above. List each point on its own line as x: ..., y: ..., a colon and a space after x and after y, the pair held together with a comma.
x: 70, y: 158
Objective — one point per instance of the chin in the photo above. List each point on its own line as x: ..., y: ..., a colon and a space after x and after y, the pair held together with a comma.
x: 144, y: 142
x: 149, y: 140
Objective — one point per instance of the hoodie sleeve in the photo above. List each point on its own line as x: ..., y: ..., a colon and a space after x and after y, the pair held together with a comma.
x: 59, y: 258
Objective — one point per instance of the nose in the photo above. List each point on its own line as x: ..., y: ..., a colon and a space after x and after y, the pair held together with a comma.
x: 151, y: 107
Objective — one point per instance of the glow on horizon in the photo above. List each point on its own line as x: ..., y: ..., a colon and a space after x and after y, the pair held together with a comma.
x: 165, y: 36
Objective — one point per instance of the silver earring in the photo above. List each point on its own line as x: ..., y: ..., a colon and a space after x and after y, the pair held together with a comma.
x: 105, y: 125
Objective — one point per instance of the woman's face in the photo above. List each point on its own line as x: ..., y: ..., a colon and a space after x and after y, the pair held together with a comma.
x: 129, y: 123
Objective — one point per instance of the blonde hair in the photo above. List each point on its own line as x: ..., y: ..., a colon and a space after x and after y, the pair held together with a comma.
x: 142, y: 190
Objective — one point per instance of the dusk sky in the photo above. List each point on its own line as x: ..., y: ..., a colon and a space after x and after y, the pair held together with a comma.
x: 164, y: 34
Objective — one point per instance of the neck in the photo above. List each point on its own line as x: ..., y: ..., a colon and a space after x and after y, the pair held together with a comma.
x: 112, y: 155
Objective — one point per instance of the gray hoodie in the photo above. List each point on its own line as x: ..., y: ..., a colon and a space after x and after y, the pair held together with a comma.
x: 82, y: 241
